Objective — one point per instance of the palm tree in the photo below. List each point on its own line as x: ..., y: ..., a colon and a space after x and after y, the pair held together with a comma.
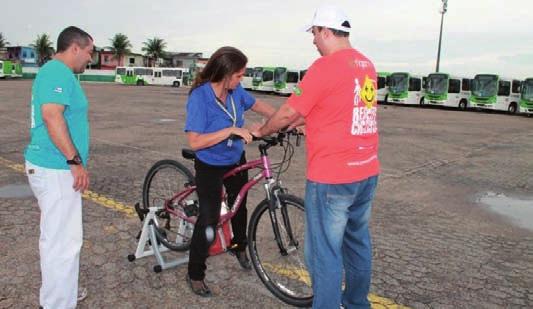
x: 43, y: 48
x: 154, y: 48
x: 120, y: 44
x: 3, y: 42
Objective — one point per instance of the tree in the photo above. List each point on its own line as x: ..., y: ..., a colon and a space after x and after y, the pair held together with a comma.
x: 154, y: 48
x: 120, y: 44
x: 3, y: 42
x: 43, y: 48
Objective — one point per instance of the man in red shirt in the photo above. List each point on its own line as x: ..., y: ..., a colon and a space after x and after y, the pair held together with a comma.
x: 337, y: 102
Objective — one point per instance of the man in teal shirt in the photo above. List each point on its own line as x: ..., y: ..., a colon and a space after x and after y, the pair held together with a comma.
x: 56, y: 165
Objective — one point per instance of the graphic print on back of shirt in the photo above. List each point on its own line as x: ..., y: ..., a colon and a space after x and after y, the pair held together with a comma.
x: 364, y: 109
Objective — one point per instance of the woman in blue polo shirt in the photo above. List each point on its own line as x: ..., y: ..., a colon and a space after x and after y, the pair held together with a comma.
x: 215, y: 111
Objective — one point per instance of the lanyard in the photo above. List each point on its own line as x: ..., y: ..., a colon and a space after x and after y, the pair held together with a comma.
x: 221, y: 105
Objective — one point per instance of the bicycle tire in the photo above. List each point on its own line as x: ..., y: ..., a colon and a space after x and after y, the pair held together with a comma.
x: 263, y: 248
x: 157, y: 167
x: 164, y: 179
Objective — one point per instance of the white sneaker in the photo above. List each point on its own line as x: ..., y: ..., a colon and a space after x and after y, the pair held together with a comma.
x: 82, y: 294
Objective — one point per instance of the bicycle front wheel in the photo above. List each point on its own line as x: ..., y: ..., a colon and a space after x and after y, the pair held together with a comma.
x: 164, y: 180
x: 280, y: 262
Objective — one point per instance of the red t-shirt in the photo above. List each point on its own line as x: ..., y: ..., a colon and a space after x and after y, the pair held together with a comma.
x: 338, y: 99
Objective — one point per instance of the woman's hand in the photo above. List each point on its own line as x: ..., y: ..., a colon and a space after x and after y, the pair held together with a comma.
x: 242, y: 132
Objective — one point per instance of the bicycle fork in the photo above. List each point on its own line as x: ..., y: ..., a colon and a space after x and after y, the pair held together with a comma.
x: 275, y: 203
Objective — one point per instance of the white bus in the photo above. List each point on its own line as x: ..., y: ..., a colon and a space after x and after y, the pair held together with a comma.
x: 10, y: 69
x: 247, y: 79
x: 405, y: 88
x: 445, y: 90
x: 263, y: 79
x: 285, y: 80
x: 141, y: 76
x: 490, y: 91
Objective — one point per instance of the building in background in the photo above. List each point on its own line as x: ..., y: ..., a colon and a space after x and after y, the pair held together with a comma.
x: 181, y: 59
x: 22, y: 54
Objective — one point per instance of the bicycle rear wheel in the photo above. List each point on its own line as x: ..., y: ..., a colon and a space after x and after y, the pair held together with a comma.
x: 164, y: 180
x: 281, y: 268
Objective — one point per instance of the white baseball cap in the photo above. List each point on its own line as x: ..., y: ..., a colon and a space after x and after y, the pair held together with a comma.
x: 330, y: 16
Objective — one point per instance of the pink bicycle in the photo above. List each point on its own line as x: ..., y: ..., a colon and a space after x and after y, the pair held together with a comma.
x: 276, y: 227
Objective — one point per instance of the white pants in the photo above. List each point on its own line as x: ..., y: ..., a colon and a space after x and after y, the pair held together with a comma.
x: 61, y: 235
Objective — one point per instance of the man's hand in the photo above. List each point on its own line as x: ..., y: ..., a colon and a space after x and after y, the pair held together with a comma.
x: 81, y: 178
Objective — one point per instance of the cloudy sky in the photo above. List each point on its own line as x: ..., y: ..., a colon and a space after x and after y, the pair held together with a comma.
x: 398, y: 35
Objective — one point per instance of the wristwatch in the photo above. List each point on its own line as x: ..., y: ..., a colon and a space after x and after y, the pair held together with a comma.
x: 76, y: 160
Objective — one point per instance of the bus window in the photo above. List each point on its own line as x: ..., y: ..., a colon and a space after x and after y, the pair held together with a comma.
x: 415, y: 84
x: 292, y: 77
x: 504, y: 88
x: 268, y: 76
x: 249, y: 72
x: 466, y: 84
x: 171, y: 73
x: 424, y: 82
x: 516, y: 86
x: 454, y: 86
x: 302, y: 74
x: 382, y: 81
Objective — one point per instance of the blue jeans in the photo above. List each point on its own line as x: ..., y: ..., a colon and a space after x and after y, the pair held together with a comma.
x: 337, y: 238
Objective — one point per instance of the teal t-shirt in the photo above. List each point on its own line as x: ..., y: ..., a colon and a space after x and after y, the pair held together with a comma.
x: 56, y: 84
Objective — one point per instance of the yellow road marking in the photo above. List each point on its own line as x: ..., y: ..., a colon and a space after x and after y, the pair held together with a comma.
x: 99, y: 199
x: 301, y: 274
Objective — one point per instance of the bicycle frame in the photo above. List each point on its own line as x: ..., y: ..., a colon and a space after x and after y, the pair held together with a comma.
x: 271, y: 190
x: 266, y: 173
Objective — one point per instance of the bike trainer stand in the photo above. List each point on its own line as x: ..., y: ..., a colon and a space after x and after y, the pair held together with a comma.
x: 147, y: 238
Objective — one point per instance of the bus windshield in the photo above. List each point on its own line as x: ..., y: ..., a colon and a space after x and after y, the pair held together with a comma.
x: 292, y: 77
x: 249, y: 72
x: 382, y: 82
x: 527, y: 90
x: 436, y: 84
x: 258, y: 74
x: 280, y: 75
x: 398, y: 82
x: 485, y: 85
x: 121, y: 71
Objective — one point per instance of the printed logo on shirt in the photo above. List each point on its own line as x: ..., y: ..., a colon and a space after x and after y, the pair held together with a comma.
x: 58, y: 90
x: 297, y: 90
x: 364, y: 110
x: 362, y: 64
x: 368, y: 93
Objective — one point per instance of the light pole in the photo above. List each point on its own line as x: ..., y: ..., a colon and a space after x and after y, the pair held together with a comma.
x: 444, y: 9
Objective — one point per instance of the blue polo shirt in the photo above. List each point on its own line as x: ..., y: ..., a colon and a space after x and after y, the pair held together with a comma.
x: 205, y: 115
x: 56, y: 84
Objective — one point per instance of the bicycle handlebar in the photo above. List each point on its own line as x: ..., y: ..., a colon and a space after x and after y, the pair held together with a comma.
x: 273, y: 140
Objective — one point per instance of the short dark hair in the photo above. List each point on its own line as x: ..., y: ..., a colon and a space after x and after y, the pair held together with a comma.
x: 72, y: 35
x: 337, y: 33
x: 224, y: 62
